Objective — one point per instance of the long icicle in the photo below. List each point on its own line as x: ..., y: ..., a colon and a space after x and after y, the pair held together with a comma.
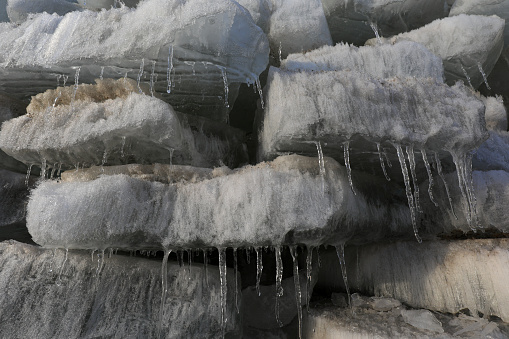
x: 236, y: 268
x: 346, y: 151
x: 224, y: 287
x: 340, y: 251
x: 411, y: 161
x: 169, y: 69
x: 279, y: 279
x: 442, y: 177
x: 164, y: 290
x: 259, y: 268
x: 430, y: 177
x: 309, y: 270
x: 459, y: 161
x: 470, y: 189
x: 382, y: 161
x: 298, y: 292
x: 408, y: 190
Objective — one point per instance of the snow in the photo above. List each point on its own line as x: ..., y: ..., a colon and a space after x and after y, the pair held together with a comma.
x: 403, y: 59
x: 463, y: 42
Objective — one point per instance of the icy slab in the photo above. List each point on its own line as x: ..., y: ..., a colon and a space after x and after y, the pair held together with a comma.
x: 496, y: 114
x: 422, y: 319
x: 492, y: 154
x: 325, y: 321
x: 197, y: 56
x: 54, y: 294
x: 499, y: 8
x: 491, y: 189
x: 303, y: 108
x: 13, y: 197
x: 469, y: 45
x: 443, y: 276
x: 403, y: 59
x: 350, y: 21
x: 284, y: 201
x: 19, y: 10
x: 109, y: 124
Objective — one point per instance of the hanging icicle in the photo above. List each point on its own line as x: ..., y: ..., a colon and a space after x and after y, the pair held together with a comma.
x: 279, y: 279
x: 298, y: 293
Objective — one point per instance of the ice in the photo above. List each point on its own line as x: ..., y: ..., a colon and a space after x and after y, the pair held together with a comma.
x: 462, y: 42
x: 260, y: 10
x: 337, y: 106
x: 349, y: 20
x: 208, y: 33
x: 106, y: 4
x: 298, y: 291
x: 422, y: 319
x: 496, y: 114
x: 19, y: 10
x: 124, y: 300
x: 110, y: 118
x: 281, y: 202
x: 443, y: 276
x: 403, y: 59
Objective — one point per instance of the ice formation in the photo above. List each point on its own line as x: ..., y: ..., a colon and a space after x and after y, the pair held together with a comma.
x: 349, y: 21
x: 496, y: 114
x: 463, y: 42
x: 106, y: 4
x: 19, y: 10
x: 282, y: 202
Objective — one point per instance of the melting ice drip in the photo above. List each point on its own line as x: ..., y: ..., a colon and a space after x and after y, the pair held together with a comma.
x: 374, y: 27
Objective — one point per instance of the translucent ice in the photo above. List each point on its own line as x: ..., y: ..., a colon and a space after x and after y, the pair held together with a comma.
x: 422, y: 319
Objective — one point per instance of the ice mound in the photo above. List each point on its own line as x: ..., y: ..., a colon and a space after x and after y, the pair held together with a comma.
x: 483, y: 7
x: 97, y: 130
x: 193, y: 56
x: 54, y: 294
x: 349, y: 21
x: 287, y: 201
x: 19, y: 10
x: 469, y: 45
x: 443, y: 276
x: 492, y: 154
x: 491, y: 189
x: 403, y: 59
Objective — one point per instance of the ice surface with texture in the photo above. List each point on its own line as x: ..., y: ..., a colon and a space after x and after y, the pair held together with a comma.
x: 463, y: 42
x: 106, y: 4
x: 19, y: 10
x: 403, y: 59
x: 286, y: 201
x: 349, y: 21
x: 51, y: 294
x: 109, y: 123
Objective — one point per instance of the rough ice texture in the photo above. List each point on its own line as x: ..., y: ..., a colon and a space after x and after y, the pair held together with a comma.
x: 328, y: 322
x: 491, y: 190
x: 129, y: 127
x: 106, y: 4
x: 193, y: 43
x: 444, y: 276
x: 499, y: 8
x: 285, y: 201
x: 336, y: 106
x: 48, y: 296
x: 492, y: 154
x: 403, y: 59
x: 13, y: 197
x: 496, y: 114
x: 349, y: 21
x: 463, y: 42
x: 19, y: 10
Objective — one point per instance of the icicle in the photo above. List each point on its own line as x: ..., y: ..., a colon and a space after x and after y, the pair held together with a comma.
x: 279, y: 279
x: 43, y: 168
x: 411, y: 160
x: 55, y: 101
x: 205, y: 262
x: 164, y: 290
x: 346, y: 151
x: 100, y: 263
x: 53, y: 170
x: 59, y: 277
x: 464, y: 173
x: 430, y: 177
x: 298, y: 292
x: 483, y: 76
x: 225, y: 84
x: 102, y: 73
x: 65, y: 77
x: 259, y: 269
x: 441, y: 174
x: 170, y: 68
x: 260, y: 92
x: 172, y: 150
x: 59, y: 169
x: 375, y: 30
x: 92, y: 254
x: 122, y: 147
x: 467, y: 76
x: 152, y: 78
x: 340, y: 250
x: 224, y: 287
x: 248, y: 255
x: 110, y: 252
x: 471, y: 190
x: 382, y: 161
x: 236, y: 268
x: 189, y: 260
x: 140, y: 74
x: 321, y: 162
x: 280, y: 53
x: 309, y: 270
x: 27, y: 178
x: 76, y: 83
x: 408, y: 190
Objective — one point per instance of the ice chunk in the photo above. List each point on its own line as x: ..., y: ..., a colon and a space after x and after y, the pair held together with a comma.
x: 403, y: 59
x: 384, y: 304
x: 95, y: 130
x: 496, y: 115
x: 269, y: 204
x: 499, y: 8
x: 422, y: 319
x: 18, y: 10
x: 443, y: 276
x: 48, y: 299
x: 463, y: 42
x: 216, y: 37
x: 260, y: 10
x: 337, y: 106
x: 349, y: 21
x: 492, y: 154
